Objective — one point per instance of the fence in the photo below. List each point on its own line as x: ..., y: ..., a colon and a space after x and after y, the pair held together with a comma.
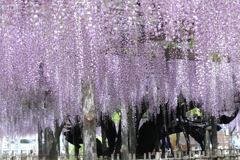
x: 220, y: 154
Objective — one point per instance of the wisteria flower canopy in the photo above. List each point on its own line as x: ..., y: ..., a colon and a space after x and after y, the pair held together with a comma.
x: 130, y: 50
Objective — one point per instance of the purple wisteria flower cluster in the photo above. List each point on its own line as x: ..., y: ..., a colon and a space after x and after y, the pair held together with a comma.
x: 131, y: 50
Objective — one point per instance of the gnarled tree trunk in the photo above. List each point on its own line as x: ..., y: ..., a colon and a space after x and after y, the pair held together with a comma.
x: 89, y: 122
x: 52, y: 141
x: 214, y: 136
x: 40, y: 149
x: 49, y: 144
x: 132, y: 132
x: 124, y: 133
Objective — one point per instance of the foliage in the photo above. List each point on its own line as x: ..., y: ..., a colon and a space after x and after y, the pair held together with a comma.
x: 216, y: 58
x: 192, y: 42
x: 195, y: 111
x: 116, y: 117
x: 71, y: 149
x: 171, y: 45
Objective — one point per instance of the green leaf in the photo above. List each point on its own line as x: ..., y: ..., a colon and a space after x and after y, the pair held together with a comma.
x: 216, y: 58
x: 195, y: 111
x: 192, y: 42
x: 172, y: 44
x: 115, y: 117
x: 144, y: 115
x: 166, y: 45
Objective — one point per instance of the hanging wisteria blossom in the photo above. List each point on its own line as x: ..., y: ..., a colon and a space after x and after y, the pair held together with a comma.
x: 150, y: 50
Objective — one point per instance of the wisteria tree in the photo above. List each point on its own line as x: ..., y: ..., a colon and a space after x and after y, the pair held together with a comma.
x: 126, y: 51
